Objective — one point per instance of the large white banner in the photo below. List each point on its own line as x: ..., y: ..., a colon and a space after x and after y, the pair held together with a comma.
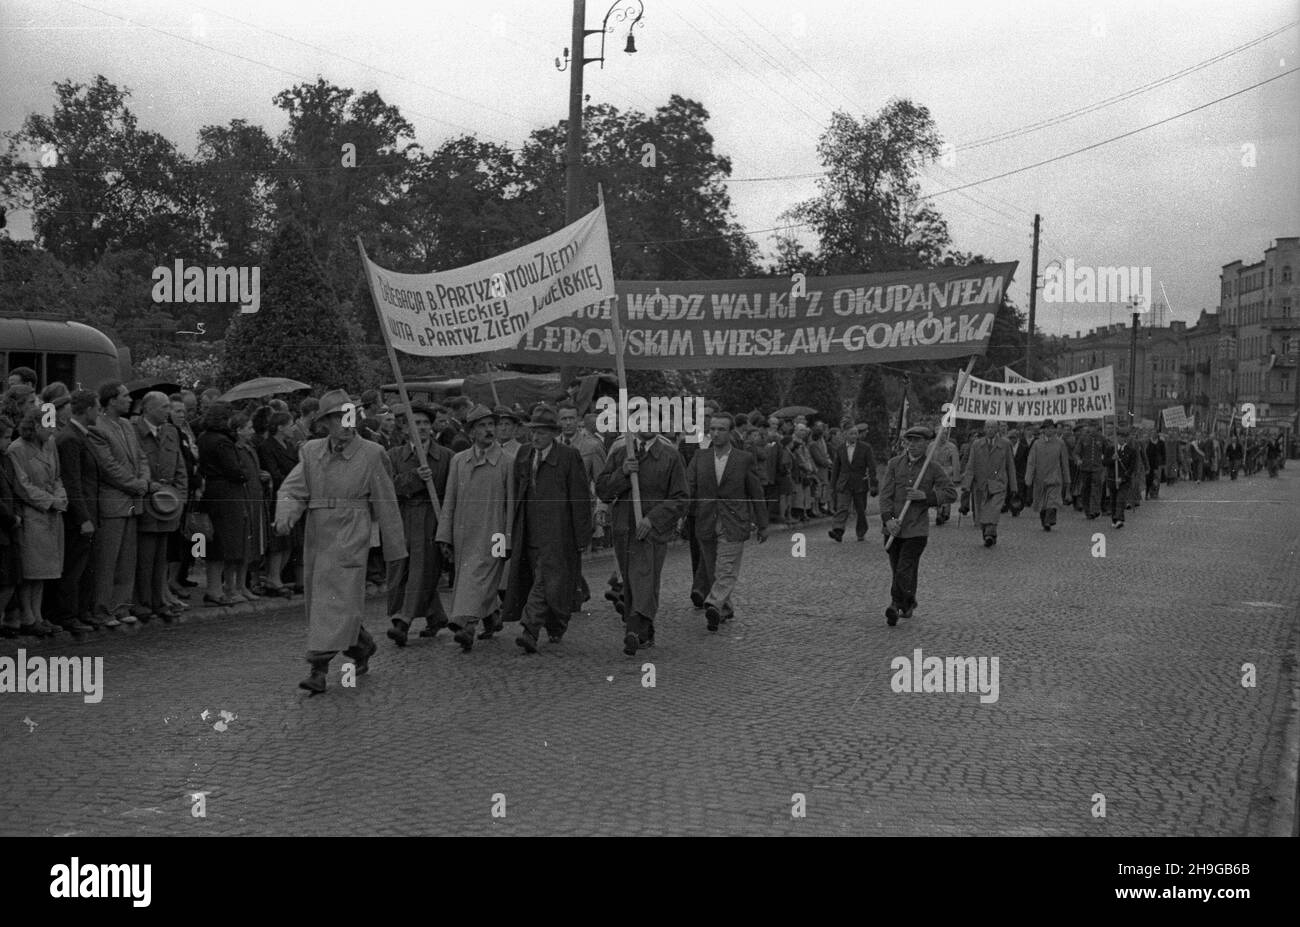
x: 1175, y: 417
x: 1083, y: 395
x: 488, y: 306
x: 1013, y: 377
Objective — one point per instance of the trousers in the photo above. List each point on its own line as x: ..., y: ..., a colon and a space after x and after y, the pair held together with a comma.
x: 114, y: 559
x: 905, y: 562
x: 859, y: 502
x: 721, y: 561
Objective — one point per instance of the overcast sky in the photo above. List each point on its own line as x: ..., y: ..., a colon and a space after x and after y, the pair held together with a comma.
x: 1177, y: 197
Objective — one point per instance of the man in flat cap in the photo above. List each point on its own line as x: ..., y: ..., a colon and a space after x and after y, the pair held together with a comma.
x: 343, y: 485
x: 475, y: 530
x: 508, y: 421
x: 413, y: 582
x: 1121, y: 463
x: 1047, y: 471
x: 990, y: 475
x: 1090, y: 463
x: 552, y: 524
x: 910, y: 530
x: 641, y: 546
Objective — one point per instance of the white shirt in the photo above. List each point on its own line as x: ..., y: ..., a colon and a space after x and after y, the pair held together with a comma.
x: 720, y: 464
x: 848, y: 450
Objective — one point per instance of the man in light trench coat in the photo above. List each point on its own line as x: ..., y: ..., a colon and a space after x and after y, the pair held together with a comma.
x: 1047, y: 471
x: 477, y: 520
x: 343, y: 486
x: 990, y: 475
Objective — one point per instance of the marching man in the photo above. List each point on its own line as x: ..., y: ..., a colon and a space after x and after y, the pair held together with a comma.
x: 343, y: 486
x: 641, y: 546
x: 1047, y: 470
x: 990, y: 475
x: 477, y: 519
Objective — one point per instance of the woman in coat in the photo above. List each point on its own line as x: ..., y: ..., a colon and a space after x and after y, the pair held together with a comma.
x: 278, y: 455
x: 226, y: 502
x: 11, y: 558
x: 254, y: 501
x: 44, y: 500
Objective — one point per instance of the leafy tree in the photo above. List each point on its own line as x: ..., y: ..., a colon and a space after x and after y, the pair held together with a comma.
x: 741, y: 390
x: 875, y: 404
x: 668, y: 207
x: 234, y: 180
x: 299, y: 331
x: 869, y: 215
x: 818, y: 387
x: 103, y: 184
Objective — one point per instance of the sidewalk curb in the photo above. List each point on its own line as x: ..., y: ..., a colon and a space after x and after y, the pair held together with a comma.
x: 1286, y: 787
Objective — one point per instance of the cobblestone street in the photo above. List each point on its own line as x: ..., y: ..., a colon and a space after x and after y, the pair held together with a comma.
x: 1119, y: 676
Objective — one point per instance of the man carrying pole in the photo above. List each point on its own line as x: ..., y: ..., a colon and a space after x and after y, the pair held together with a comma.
x: 911, y: 478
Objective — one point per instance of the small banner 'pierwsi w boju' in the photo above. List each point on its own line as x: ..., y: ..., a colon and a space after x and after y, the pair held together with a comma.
x: 1083, y: 395
x: 490, y: 305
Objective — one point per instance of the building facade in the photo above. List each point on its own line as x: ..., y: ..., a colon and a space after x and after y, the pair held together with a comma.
x: 1246, y: 352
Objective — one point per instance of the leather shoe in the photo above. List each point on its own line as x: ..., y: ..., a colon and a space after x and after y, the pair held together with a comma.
x: 527, y: 642
x: 989, y: 540
x: 432, y: 630
x: 837, y: 535
x: 465, y: 637
x: 630, y: 643
x: 397, y: 633
x: 712, y: 615
x: 891, y: 616
x: 696, y: 599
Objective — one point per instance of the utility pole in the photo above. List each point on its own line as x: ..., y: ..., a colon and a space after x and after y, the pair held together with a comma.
x: 573, y: 150
x: 1133, y: 367
x: 1033, y: 302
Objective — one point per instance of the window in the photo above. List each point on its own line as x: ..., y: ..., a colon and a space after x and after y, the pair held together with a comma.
x: 1286, y: 308
x: 1284, y: 383
x: 1286, y: 274
x: 1270, y: 276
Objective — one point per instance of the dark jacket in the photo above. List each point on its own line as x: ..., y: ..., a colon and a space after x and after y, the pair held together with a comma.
x: 730, y: 508
x: 166, y: 466
x: 1155, y: 451
x: 1128, y: 459
x: 277, y: 460
x: 123, y: 467
x: 560, y: 504
x: 80, y: 472
x: 662, y: 480
x: 856, y: 476
x: 900, y: 474
x: 410, y: 488
x: 10, y: 502
x: 223, y: 475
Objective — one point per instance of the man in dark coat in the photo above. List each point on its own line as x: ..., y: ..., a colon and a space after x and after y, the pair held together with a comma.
x: 1090, y: 458
x: 641, y: 546
x: 910, y: 529
x: 1155, y: 448
x: 727, y: 502
x: 1121, y: 462
x: 75, y: 593
x: 552, y: 524
x: 413, y: 582
x: 853, y: 476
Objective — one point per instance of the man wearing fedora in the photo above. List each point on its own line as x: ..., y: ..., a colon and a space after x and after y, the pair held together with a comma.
x: 343, y: 485
x: 910, y: 530
x: 413, y: 582
x: 640, y: 546
x: 990, y: 475
x: 1047, y: 472
x: 161, y: 514
x: 476, y: 526
x: 552, y: 524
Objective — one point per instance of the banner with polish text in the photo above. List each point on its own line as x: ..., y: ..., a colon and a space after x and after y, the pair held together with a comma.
x: 776, y: 322
x: 1084, y: 395
x: 488, y: 305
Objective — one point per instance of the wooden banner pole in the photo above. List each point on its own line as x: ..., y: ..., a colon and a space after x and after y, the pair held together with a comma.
x: 929, y: 454
x: 617, y: 331
x: 401, y: 383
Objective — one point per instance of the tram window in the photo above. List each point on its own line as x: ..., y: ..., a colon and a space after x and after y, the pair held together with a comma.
x: 61, y: 368
x: 29, y: 359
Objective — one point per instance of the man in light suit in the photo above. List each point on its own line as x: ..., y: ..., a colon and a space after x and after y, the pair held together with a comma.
x: 727, y: 501
x: 990, y: 475
x: 123, y: 483
x: 853, y: 475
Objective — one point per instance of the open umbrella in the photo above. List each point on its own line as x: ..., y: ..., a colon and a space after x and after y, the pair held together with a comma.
x: 262, y: 386
x: 792, y: 411
x: 137, y: 388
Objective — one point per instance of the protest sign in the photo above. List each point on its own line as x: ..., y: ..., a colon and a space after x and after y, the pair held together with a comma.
x: 1084, y: 395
